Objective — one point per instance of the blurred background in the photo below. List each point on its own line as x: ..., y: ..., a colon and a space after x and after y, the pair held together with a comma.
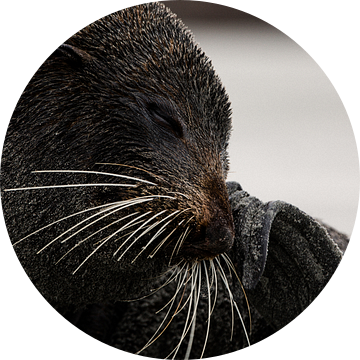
x: 292, y: 139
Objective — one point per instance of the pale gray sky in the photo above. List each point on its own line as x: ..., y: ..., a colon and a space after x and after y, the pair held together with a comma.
x: 292, y: 139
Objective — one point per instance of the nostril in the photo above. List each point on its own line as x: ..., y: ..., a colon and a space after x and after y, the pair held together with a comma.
x: 211, y: 240
x: 219, y: 239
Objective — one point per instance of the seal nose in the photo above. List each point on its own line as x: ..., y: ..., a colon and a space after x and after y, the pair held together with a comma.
x: 214, y: 233
x: 219, y: 236
x: 214, y: 236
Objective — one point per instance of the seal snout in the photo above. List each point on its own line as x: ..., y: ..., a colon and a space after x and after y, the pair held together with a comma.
x: 214, y: 234
x: 219, y: 236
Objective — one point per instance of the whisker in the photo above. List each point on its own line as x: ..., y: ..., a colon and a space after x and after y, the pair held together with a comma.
x: 93, y: 234
x: 213, y: 272
x: 171, y: 278
x: 74, y: 227
x: 172, y: 300
x: 68, y: 186
x: 176, y: 349
x: 179, y: 193
x: 139, y: 228
x: 118, y: 207
x: 96, y: 173
x: 179, y: 239
x: 143, y: 233
x: 130, y: 232
x: 82, y: 185
x: 183, y: 283
x: 232, y: 267
x: 176, y: 271
x: 163, y: 241
x: 192, y: 331
x: 242, y: 323
x: 223, y: 278
x: 65, y: 218
x: 190, y: 278
x: 193, y: 321
x: 117, y: 231
x: 178, y: 212
x: 232, y: 301
x: 209, y: 309
x: 196, y: 291
x: 137, y: 168
x: 107, y: 239
x: 90, y: 209
x: 187, y: 232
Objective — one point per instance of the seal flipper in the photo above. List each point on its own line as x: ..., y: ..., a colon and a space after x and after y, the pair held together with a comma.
x: 284, y: 256
x: 252, y: 221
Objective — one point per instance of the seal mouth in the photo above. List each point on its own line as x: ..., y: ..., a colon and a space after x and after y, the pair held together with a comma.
x: 209, y: 243
x: 194, y: 252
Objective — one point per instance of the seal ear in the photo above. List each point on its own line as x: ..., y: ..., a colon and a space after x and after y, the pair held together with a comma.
x: 73, y: 55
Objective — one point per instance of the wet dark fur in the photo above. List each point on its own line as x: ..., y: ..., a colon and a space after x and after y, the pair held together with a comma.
x: 132, y: 89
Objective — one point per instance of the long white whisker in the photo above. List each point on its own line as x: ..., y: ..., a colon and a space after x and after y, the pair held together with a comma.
x: 190, y: 278
x: 176, y: 349
x: 154, y: 337
x: 119, y: 206
x: 242, y: 322
x: 195, y: 298
x: 97, y: 173
x: 179, y: 240
x: 179, y: 193
x: 232, y: 267
x: 183, y: 282
x: 75, y: 226
x: 144, y: 232
x: 93, y: 234
x: 187, y: 232
x: 193, y: 321
x: 132, y: 234
x: 158, y: 232
x: 232, y: 301
x: 213, y: 271
x: 171, y: 278
x: 223, y: 277
x: 90, y: 209
x: 209, y: 309
x: 163, y: 241
x: 137, y: 168
x: 68, y: 186
x: 117, y: 209
x: 116, y: 232
x: 175, y: 273
x: 107, y: 239
x: 65, y: 218
x: 153, y: 225
x: 162, y: 229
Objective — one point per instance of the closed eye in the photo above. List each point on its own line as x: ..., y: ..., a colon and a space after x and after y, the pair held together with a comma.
x: 164, y: 119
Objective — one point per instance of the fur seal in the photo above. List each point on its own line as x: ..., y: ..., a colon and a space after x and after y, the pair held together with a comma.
x: 145, y: 241
x: 115, y: 161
